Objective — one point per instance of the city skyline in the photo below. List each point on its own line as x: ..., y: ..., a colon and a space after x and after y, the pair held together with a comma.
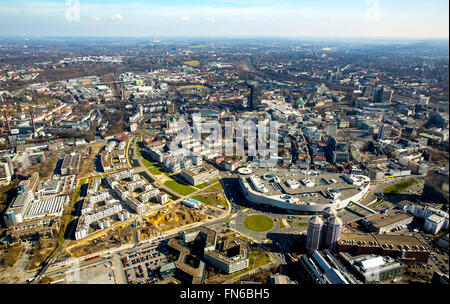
x: 227, y: 18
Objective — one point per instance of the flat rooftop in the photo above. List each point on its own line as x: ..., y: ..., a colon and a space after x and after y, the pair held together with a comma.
x: 386, y: 219
x: 210, y: 234
x: 198, y: 170
x: 396, y: 239
x: 317, y: 193
x: 239, y: 247
x: 379, y: 240
x: 358, y: 239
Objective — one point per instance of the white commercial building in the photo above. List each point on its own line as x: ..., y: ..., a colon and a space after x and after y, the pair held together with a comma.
x: 434, y: 223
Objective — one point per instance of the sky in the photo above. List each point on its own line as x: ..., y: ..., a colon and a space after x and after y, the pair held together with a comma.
x: 226, y: 18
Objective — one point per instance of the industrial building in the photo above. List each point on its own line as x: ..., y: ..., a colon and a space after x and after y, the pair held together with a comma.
x: 434, y: 223
x: 406, y: 248
x: 30, y: 218
x: 386, y: 222
x: 70, y: 164
x: 25, y: 195
x: 35, y: 229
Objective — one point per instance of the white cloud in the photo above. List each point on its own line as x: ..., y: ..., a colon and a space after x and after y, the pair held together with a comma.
x: 96, y: 18
x: 373, y: 11
x: 185, y: 19
x: 117, y: 17
x: 212, y: 20
x: 332, y: 19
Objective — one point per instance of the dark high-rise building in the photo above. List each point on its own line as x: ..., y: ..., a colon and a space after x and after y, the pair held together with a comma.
x: 382, y: 95
x: 332, y: 232
x: 254, y: 99
x: 386, y: 96
x: 384, y: 131
x: 314, y: 234
x: 323, y: 233
x: 337, y: 150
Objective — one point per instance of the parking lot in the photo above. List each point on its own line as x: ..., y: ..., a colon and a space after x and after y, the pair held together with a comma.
x: 141, y: 265
x: 98, y: 274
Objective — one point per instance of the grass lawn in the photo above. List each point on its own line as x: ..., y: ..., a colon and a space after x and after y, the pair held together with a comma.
x: 192, y: 63
x: 83, y: 181
x: 258, y: 223
x: 211, y: 199
x: 179, y: 188
x: 204, y: 185
x: 398, y: 188
x: 153, y: 167
x: 256, y: 259
x: 155, y: 170
x: 198, y: 46
x: 302, y: 224
x: 215, y: 188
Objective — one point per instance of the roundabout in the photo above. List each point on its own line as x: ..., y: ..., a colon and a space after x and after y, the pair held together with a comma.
x: 258, y: 223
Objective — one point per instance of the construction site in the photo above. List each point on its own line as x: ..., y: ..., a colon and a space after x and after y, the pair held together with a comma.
x: 168, y: 219
x: 110, y: 239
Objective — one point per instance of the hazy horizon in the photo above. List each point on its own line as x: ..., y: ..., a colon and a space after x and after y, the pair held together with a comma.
x: 377, y: 19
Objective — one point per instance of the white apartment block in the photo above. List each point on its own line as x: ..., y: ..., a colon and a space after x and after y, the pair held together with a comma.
x: 148, y: 195
x: 162, y: 198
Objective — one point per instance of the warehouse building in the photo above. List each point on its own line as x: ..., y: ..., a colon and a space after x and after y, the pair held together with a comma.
x: 406, y: 248
x: 434, y: 223
x: 386, y: 222
x: 70, y: 164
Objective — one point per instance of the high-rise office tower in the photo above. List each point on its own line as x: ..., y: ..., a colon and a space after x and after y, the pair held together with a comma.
x: 333, y: 232
x: 328, y: 212
x: 314, y: 234
x: 382, y: 95
x: 386, y: 96
x: 384, y: 131
x: 254, y: 99
x: 337, y: 149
